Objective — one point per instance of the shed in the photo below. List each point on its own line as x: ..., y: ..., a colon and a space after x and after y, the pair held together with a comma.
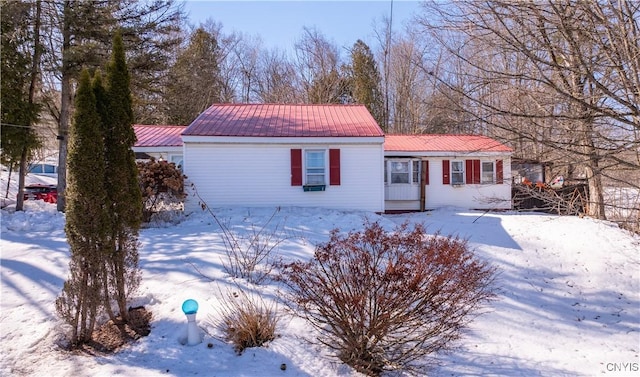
x: 285, y: 155
x: 430, y: 171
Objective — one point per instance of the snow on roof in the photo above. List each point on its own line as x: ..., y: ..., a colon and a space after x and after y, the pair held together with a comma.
x: 285, y: 120
x: 158, y: 135
x: 443, y: 143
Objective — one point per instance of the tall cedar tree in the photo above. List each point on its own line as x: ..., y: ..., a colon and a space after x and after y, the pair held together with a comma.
x: 121, y: 181
x: 365, y: 81
x: 86, y: 217
x: 18, y: 63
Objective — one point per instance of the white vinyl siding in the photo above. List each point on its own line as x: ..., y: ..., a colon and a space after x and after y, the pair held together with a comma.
x: 488, y: 196
x: 259, y: 175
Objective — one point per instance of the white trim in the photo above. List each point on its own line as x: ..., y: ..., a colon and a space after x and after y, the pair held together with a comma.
x: 160, y: 149
x: 493, y: 172
x: 325, y: 166
x: 387, y: 171
x: 463, y: 172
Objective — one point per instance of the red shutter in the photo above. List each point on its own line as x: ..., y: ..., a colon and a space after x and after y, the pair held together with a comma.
x: 296, y: 167
x: 472, y: 171
x: 476, y: 172
x: 425, y: 171
x: 446, y: 179
x: 499, y: 172
x: 334, y: 167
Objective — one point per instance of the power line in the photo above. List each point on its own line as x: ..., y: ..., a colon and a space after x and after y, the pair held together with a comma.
x: 15, y: 125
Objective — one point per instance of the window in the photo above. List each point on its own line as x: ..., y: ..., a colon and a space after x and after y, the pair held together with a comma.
x: 315, y: 167
x: 399, y: 171
x: 487, y: 172
x: 457, y: 173
x: 176, y: 159
x: 405, y: 171
x: 386, y: 172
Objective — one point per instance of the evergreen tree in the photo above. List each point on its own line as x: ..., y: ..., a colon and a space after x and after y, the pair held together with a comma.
x: 194, y: 81
x: 19, y: 55
x: 121, y: 181
x: 79, y: 34
x: 365, y: 81
x: 86, y: 217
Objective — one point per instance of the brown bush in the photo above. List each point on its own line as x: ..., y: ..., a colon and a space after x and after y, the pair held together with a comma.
x: 247, y: 321
x: 385, y: 301
x: 161, y: 182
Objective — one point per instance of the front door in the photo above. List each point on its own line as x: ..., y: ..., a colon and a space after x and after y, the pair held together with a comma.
x: 402, y: 184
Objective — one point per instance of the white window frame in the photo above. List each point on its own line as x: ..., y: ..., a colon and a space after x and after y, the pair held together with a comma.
x: 487, y: 180
x: 413, y: 172
x: 320, y: 171
x: 178, y: 160
x: 416, y: 170
x: 395, y: 172
x: 457, y: 172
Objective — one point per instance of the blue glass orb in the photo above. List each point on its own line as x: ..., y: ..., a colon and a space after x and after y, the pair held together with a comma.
x: 190, y: 306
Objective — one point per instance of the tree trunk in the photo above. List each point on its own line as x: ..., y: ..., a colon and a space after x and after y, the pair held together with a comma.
x: 22, y: 172
x: 65, y: 107
x: 35, y: 65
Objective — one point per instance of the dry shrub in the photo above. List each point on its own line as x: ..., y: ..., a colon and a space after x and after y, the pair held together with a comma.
x: 249, y: 253
x: 246, y: 320
x: 162, y: 186
x: 385, y: 301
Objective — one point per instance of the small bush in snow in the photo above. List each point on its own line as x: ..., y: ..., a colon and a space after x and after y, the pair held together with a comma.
x: 247, y: 321
x: 385, y: 301
x: 162, y: 185
x: 249, y: 252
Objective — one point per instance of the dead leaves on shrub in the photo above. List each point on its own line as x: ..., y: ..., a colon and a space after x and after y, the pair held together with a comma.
x: 385, y: 300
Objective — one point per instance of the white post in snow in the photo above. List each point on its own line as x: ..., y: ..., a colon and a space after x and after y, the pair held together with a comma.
x: 190, y: 308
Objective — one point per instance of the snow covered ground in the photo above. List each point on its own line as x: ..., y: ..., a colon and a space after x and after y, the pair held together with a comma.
x: 569, y: 296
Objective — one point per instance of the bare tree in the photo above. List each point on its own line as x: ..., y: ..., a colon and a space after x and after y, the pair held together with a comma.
x: 408, y: 87
x: 247, y: 54
x: 562, y: 76
x: 277, y: 79
x: 318, y: 62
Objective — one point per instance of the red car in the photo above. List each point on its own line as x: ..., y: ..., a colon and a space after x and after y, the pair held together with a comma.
x: 48, y: 193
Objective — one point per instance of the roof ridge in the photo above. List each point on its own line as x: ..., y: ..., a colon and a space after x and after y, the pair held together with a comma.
x: 160, y: 125
x: 288, y: 104
x: 434, y: 134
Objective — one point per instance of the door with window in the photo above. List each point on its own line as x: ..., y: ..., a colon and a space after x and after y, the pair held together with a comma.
x: 402, y: 181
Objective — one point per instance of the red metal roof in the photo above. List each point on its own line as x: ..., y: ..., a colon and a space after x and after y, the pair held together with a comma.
x: 443, y: 143
x: 158, y: 135
x: 285, y: 120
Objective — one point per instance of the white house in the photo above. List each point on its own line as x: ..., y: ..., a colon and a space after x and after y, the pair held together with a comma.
x: 333, y: 156
x: 431, y: 171
x: 286, y: 155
